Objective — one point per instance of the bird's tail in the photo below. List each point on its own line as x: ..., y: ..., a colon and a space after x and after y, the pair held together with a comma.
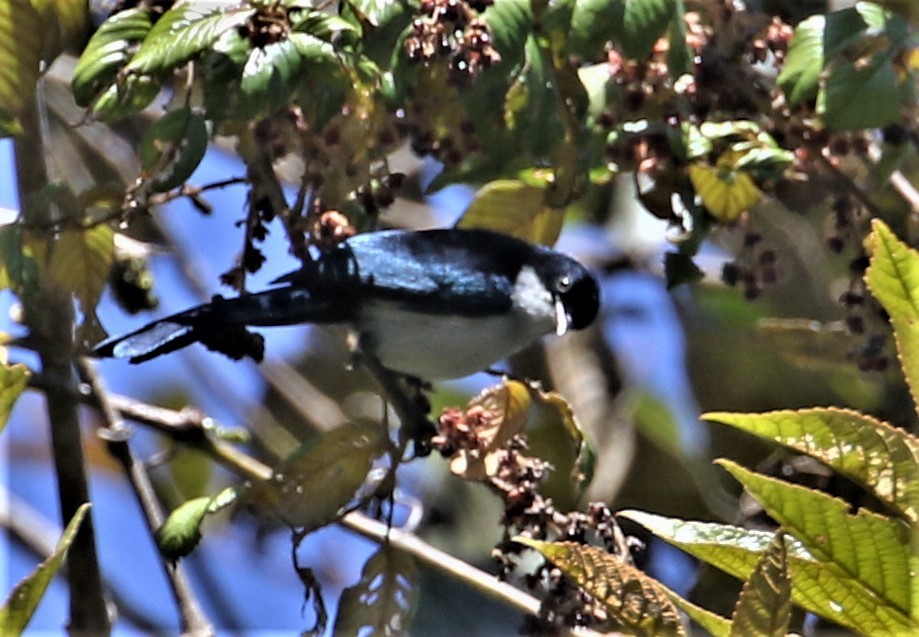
x: 221, y: 325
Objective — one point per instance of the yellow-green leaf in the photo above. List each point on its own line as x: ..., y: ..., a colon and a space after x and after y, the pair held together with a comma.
x: 181, y: 531
x: 638, y: 602
x: 764, y: 607
x: 893, y: 278
x: 312, y: 487
x: 726, y: 192
x: 20, y: 56
x: 506, y: 409
x: 872, y: 453
x: 870, y: 551
x: 517, y: 208
x: 63, y: 24
x: 585, y: 462
x: 22, y: 602
x: 13, y: 379
x: 381, y: 603
x: 81, y: 262
x: 816, y: 586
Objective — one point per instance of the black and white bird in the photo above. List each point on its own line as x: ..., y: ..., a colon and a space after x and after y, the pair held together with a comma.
x: 433, y: 304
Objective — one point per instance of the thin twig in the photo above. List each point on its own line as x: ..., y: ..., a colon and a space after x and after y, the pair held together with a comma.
x: 191, y: 425
x: 116, y: 433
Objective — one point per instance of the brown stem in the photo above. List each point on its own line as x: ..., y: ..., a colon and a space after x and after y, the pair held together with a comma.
x: 49, y: 315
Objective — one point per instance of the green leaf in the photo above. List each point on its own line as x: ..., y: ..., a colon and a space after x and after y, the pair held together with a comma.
x: 181, y: 531
x: 679, y: 55
x: 381, y: 603
x: 816, y: 587
x: 764, y: 607
x: 184, y: 32
x: 586, y: 459
x: 636, y: 601
x: 172, y: 148
x: 81, y: 262
x: 870, y: 551
x: 13, y: 380
x: 593, y: 24
x: 125, y: 98
x: 514, y: 207
x: 800, y: 76
x: 107, y: 52
x: 18, y: 608
x: 643, y: 22
x: 872, y: 453
x: 18, y: 270
x: 20, y: 56
x: 862, y: 97
x: 313, y: 487
x: 893, y: 278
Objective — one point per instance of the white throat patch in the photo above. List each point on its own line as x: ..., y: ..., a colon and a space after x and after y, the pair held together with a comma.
x: 531, y: 297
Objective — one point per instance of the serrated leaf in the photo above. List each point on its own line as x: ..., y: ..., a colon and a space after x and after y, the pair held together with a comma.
x: 172, y: 148
x: 870, y: 551
x: 800, y: 76
x: 184, y: 32
x: 107, y: 52
x: 13, y: 380
x: 816, y: 587
x: 635, y: 600
x: 514, y: 207
x: 764, y: 607
x: 381, y: 603
x: 857, y: 97
x: 314, y: 486
x: 508, y: 409
x: 20, y: 57
x: 726, y: 192
x: 18, y: 608
x: 879, y: 457
x: 893, y: 278
x: 643, y: 22
x: 181, y: 531
x: 81, y: 262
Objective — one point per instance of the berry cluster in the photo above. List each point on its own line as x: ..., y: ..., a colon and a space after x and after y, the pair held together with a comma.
x: 453, y: 30
x: 516, y: 478
x: 754, y: 267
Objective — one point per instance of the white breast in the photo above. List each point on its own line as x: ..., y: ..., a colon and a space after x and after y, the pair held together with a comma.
x: 444, y: 345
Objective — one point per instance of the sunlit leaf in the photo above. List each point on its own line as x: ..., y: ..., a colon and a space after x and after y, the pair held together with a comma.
x: 20, y: 56
x: 381, y: 603
x: 893, y: 278
x: 172, y: 148
x: 881, y: 458
x: 312, y: 487
x: 506, y: 410
x: 800, y: 76
x: 726, y: 192
x: 13, y: 380
x: 181, y: 531
x: 633, y: 599
x: 514, y: 207
x: 18, y: 608
x: 185, y: 31
x: 870, y: 550
x: 107, y: 52
x: 764, y: 607
x: 81, y: 262
x: 816, y: 587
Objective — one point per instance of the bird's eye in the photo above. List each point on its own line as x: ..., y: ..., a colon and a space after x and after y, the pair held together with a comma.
x: 564, y: 283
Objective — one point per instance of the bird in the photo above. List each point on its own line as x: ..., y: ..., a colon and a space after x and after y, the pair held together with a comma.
x: 429, y: 304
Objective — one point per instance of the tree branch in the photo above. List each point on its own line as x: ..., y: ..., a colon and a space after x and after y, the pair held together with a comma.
x: 116, y: 434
